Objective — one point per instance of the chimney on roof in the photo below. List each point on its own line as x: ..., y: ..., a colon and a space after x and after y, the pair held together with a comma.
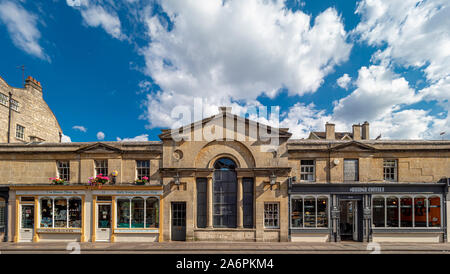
x: 356, y: 132
x: 225, y: 109
x: 329, y: 131
x: 365, y: 131
x: 30, y: 82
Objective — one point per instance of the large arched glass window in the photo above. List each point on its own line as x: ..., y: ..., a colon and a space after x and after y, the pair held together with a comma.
x: 224, y: 193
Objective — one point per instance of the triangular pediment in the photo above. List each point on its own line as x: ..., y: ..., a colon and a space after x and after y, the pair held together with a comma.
x: 239, y: 124
x: 99, y: 148
x: 353, y: 146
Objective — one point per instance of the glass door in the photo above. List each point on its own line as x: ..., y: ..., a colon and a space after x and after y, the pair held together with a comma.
x: 103, y: 223
x: 26, y: 230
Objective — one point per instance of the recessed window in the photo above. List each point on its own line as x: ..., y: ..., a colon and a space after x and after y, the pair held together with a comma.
x: 101, y: 167
x: 3, y: 99
x: 271, y: 215
x: 307, y: 170
x: 20, y: 132
x: 64, y: 170
x: 14, y: 105
x: 351, y: 170
x: 143, y: 169
x: 390, y: 170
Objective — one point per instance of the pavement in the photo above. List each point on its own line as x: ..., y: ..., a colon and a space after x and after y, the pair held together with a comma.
x: 225, y: 248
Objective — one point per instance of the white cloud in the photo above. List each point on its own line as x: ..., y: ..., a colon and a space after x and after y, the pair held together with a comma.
x: 140, y: 138
x: 100, y: 135
x: 22, y: 28
x: 344, y: 81
x: 379, y: 92
x: 65, y: 139
x: 245, y: 49
x: 80, y: 128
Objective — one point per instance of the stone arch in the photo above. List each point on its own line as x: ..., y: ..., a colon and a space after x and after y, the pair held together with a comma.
x: 217, y: 149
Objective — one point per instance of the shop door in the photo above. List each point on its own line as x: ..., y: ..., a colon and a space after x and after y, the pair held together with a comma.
x: 103, y: 227
x: 179, y: 221
x: 350, y: 222
x: 26, y: 230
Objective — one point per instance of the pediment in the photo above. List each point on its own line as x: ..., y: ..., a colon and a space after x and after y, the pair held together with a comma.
x: 238, y: 125
x: 353, y: 146
x: 99, y: 148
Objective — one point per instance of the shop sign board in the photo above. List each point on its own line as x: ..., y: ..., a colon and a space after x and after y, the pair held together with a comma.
x: 127, y: 192
x: 366, y: 189
x: 50, y: 192
x: 59, y: 230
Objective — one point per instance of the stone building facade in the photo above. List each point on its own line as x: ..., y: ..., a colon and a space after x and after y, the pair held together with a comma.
x: 227, y: 178
x: 25, y: 116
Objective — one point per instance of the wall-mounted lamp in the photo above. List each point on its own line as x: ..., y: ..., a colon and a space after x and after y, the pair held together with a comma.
x: 176, y: 179
x: 114, y: 174
x: 272, y: 179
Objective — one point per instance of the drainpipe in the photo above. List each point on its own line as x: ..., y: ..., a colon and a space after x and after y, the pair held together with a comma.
x: 9, y: 117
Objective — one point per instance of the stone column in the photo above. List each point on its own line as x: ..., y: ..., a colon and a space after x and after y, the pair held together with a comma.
x: 210, y: 203
x: 240, y: 203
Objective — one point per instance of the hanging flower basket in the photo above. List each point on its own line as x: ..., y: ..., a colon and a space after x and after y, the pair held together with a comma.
x: 58, y: 181
x: 142, y: 181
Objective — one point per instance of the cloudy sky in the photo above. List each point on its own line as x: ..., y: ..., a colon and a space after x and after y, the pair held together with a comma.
x: 115, y: 70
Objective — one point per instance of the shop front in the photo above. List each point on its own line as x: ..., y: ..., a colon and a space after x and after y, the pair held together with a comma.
x: 51, y: 213
x: 127, y: 214
x: 4, y: 197
x: 410, y: 212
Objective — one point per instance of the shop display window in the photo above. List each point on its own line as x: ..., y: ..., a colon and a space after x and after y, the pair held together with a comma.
x: 60, y: 212
x: 297, y: 213
x: 407, y: 211
x: 420, y: 212
x: 137, y: 212
x: 46, y: 212
x: 434, y: 211
x: 152, y: 213
x: 378, y: 211
x: 310, y: 212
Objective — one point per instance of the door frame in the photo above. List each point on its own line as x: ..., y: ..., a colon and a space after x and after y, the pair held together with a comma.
x: 171, y: 219
x: 19, y: 223
x: 358, y: 221
x: 97, y: 214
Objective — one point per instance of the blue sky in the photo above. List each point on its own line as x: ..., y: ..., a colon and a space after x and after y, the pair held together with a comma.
x: 121, y: 67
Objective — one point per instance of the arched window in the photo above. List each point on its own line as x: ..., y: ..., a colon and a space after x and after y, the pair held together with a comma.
x: 420, y: 212
x: 46, y: 212
x: 152, y: 213
x: 224, y: 193
x: 434, y: 211
x: 60, y: 212
x: 137, y: 212
x: 406, y: 212
x: 392, y: 212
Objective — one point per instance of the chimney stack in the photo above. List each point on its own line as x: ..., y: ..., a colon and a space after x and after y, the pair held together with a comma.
x: 225, y: 109
x: 329, y: 130
x: 356, y: 132
x: 365, y: 131
x: 31, y: 82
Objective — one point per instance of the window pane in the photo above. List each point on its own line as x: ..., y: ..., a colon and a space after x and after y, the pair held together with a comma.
x: 60, y: 212
x: 351, y: 170
x: 137, y: 212
x: 420, y: 212
x: 322, y: 212
x: 201, y: 202
x: 271, y: 215
x: 27, y: 216
x: 123, y: 213
x: 143, y: 169
x: 297, y: 212
x: 378, y: 212
x: 434, y: 212
x: 46, y: 212
x: 152, y: 213
x: 104, y: 216
x: 2, y: 214
x: 75, y: 212
x: 406, y: 212
x: 392, y: 212
x: 247, y: 202
x: 310, y: 212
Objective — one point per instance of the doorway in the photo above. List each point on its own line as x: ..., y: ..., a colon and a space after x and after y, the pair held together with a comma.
x: 103, y: 223
x: 350, y: 221
x: 26, y: 230
x: 178, y: 221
